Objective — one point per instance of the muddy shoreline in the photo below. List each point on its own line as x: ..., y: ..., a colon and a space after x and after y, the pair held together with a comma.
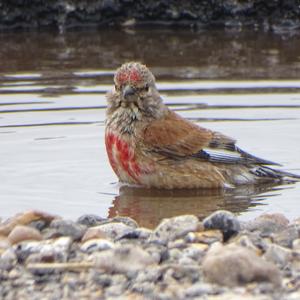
x: 47, y: 257
x: 61, y: 14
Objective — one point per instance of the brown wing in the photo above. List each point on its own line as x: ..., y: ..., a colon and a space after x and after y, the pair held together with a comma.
x: 175, y: 137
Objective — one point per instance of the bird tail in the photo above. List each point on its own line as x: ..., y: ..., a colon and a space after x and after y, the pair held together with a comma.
x: 275, y: 174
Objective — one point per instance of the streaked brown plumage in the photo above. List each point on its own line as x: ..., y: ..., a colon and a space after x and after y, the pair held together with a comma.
x: 152, y: 146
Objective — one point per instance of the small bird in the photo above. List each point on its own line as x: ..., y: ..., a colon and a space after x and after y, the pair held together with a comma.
x: 151, y: 146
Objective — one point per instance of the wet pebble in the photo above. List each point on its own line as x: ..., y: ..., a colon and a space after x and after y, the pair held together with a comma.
x: 233, y: 265
x: 23, y: 233
x: 223, y: 220
x: 174, y: 228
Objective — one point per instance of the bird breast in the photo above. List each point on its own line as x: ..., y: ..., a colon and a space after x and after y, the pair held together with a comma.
x: 122, y: 157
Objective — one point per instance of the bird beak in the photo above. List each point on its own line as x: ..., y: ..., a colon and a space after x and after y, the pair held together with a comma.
x: 128, y: 92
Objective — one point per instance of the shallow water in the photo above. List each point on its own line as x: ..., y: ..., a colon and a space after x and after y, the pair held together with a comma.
x: 52, y: 111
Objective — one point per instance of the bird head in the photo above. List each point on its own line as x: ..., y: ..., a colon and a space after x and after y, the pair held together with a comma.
x: 133, y: 82
x: 135, y: 92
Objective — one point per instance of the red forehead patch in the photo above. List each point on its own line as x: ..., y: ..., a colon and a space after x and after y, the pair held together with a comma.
x: 126, y: 76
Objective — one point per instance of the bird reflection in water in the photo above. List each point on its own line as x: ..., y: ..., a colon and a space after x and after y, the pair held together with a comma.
x: 149, y: 206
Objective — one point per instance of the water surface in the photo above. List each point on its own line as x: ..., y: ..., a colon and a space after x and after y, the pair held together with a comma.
x: 52, y: 112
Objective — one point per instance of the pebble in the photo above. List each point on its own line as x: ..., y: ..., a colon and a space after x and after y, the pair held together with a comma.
x: 223, y: 220
x: 179, y: 259
x: 286, y: 237
x: 4, y: 243
x: 96, y: 245
x: 123, y: 259
x: 24, y: 233
x: 245, y: 241
x: 112, y: 230
x: 24, y: 219
x: 205, y: 237
x: 267, y: 224
x: 174, y: 228
x: 69, y: 228
x: 125, y: 220
x: 279, y: 255
x: 8, y: 259
x: 233, y: 265
x: 199, y: 290
x: 296, y: 244
x: 53, y: 249
x: 94, y: 233
x: 90, y: 220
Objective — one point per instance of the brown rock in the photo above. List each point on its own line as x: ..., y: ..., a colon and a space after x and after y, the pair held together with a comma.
x: 24, y: 233
x: 233, y: 265
x: 24, y: 219
x: 209, y: 236
x: 94, y: 233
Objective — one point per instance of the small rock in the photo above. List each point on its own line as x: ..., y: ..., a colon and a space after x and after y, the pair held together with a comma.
x: 159, y: 253
x: 94, y: 233
x: 39, y: 224
x: 57, y: 248
x: 278, y: 255
x: 286, y: 237
x: 233, y: 265
x: 223, y: 220
x: 182, y: 273
x: 125, y: 220
x: 138, y: 233
x: 267, y: 224
x: 149, y: 275
x: 90, y: 220
x: 62, y: 227
x: 8, y: 259
x: 296, y: 244
x: 4, y: 243
x: 194, y: 251
x: 123, y: 259
x: 245, y: 241
x: 96, y: 245
x: 208, y: 237
x: 113, y: 231
x: 174, y: 228
x: 24, y: 219
x: 24, y: 233
x: 200, y: 289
